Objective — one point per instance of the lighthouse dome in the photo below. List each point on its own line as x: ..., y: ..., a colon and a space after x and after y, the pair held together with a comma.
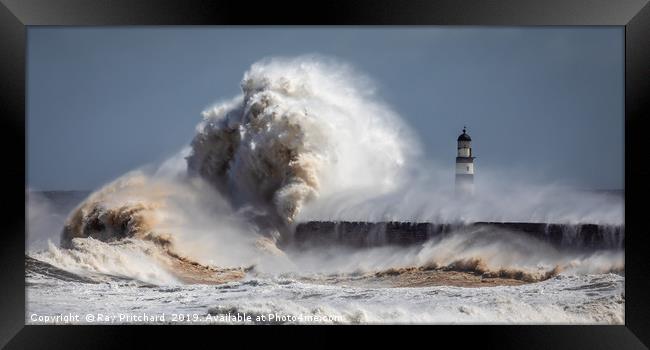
x: 464, y: 136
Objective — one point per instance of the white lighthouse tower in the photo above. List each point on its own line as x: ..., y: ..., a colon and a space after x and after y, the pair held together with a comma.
x: 464, y: 165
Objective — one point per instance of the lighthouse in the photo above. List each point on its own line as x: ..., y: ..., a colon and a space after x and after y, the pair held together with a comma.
x: 464, y: 165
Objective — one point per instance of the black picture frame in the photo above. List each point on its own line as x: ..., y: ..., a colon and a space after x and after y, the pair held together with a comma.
x: 634, y: 15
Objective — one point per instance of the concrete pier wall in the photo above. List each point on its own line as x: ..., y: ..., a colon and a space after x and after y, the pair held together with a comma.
x: 374, y: 234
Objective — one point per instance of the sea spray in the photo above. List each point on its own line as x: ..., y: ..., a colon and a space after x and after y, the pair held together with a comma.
x: 184, y: 219
x: 302, y: 128
x: 482, y: 251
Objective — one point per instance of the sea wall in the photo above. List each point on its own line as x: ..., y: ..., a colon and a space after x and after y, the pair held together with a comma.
x: 373, y: 234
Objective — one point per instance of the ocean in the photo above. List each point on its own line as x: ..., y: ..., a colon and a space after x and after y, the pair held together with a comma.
x: 76, y: 288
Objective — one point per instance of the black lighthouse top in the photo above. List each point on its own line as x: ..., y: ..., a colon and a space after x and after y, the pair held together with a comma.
x: 464, y: 136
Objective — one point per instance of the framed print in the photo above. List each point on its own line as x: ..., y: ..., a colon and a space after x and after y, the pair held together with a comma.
x: 451, y: 168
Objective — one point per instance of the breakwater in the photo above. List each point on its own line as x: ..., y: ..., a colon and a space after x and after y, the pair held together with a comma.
x: 374, y: 234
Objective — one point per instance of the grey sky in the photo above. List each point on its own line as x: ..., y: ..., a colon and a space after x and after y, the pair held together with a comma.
x: 103, y: 101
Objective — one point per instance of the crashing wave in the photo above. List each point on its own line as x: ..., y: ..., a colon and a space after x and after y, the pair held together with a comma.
x: 301, y: 127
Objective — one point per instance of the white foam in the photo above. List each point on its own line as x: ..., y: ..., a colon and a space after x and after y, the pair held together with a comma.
x: 587, y: 299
